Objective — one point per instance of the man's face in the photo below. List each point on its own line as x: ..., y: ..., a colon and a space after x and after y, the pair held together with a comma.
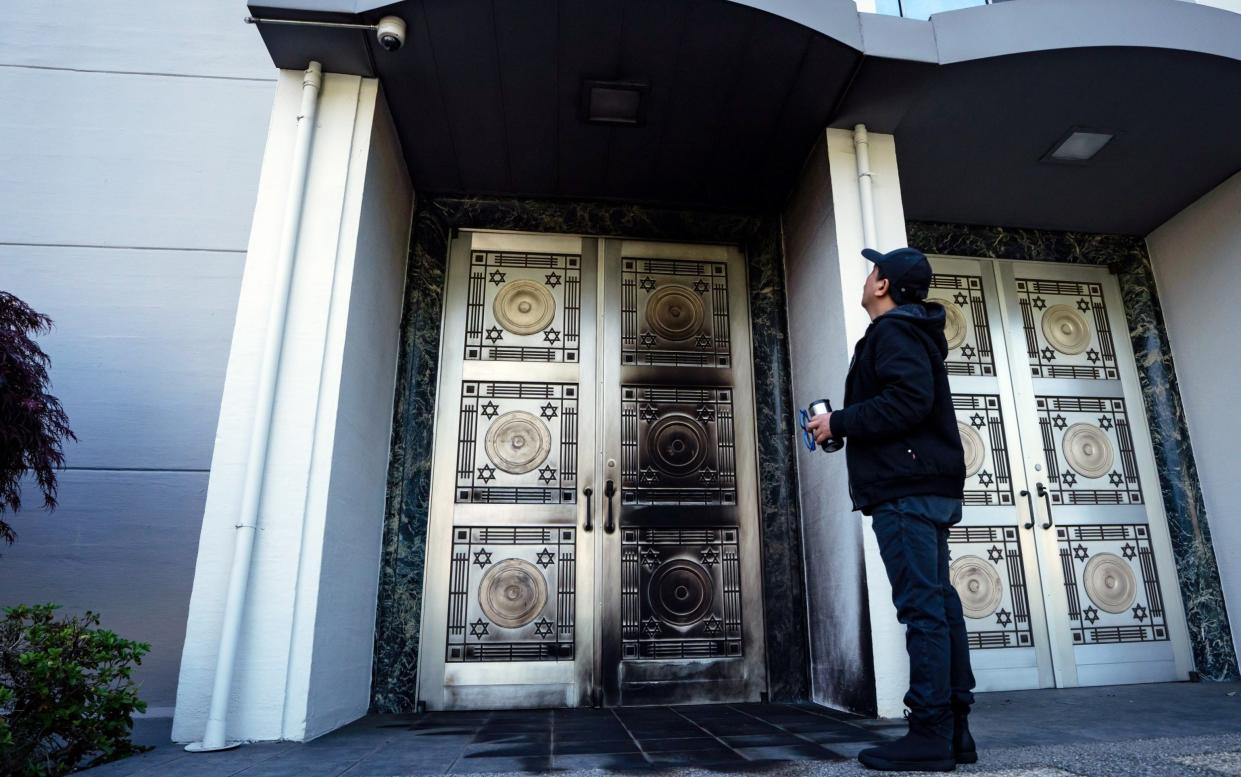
x: 874, y: 288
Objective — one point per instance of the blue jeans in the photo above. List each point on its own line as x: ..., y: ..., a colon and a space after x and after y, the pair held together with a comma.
x: 913, y: 541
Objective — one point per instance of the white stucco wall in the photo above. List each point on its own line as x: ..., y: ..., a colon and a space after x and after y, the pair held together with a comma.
x: 130, y: 140
x: 1197, y: 255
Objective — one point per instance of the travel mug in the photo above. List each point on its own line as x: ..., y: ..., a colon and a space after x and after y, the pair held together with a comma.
x: 820, y: 407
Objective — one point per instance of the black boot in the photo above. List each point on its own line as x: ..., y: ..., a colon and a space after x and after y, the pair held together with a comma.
x: 923, y: 749
x: 963, y: 747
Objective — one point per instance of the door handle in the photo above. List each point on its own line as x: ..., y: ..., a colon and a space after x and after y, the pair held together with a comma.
x: 1043, y: 492
x: 609, y: 491
x: 588, y: 492
x: 1030, y: 505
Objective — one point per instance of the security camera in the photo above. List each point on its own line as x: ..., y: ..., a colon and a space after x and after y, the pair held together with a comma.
x: 391, y: 32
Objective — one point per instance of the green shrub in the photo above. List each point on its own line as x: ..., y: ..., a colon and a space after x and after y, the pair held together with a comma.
x: 67, y: 697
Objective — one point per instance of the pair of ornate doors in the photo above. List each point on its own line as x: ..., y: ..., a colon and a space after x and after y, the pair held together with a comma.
x: 1063, y: 560
x: 593, y: 532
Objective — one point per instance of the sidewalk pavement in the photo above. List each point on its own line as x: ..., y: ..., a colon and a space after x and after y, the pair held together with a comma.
x: 1166, y: 729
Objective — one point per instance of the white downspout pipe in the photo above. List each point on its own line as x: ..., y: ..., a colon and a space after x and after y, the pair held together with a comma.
x: 256, y: 461
x: 861, y: 149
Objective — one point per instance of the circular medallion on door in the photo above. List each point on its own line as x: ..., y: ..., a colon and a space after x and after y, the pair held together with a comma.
x: 517, y: 442
x: 1088, y: 450
x: 975, y: 448
x: 1066, y: 329
x: 978, y: 585
x: 678, y: 445
x: 512, y: 593
x: 1110, y: 583
x: 524, y: 307
x: 675, y: 312
x: 680, y: 592
x: 954, y: 322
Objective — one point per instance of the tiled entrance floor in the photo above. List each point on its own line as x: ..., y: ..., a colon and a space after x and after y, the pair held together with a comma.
x: 1171, y: 729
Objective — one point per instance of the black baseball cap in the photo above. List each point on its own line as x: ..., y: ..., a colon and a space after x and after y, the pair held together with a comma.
x: 906, y: 269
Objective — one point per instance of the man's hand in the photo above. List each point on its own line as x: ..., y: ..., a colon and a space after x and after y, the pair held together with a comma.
x: 821, y: 427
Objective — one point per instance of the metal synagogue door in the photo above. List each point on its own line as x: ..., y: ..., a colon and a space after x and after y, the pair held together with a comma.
x: 1065, y: 586
x: 680, y: 577
x: 528, y: 514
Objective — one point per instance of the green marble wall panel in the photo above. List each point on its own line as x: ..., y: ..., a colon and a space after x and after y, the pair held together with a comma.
x: 403, y: 556
x: 1128, y: 258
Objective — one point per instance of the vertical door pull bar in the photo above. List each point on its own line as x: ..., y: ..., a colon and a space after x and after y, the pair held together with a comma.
x: 1043, y: 492
x: 609, y: 490
x: 1029, y: 505
x: 587, y: 492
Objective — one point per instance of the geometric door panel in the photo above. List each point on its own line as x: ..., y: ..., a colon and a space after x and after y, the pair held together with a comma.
x: 1088, y: 447
x: 674, y: 312
x: 988, y: 572
x: 511, y: 594
x: 677, y: 445
x: 680, y: 593
x: 1066, y: 329
x: 523, y: 307
x: 1112, y: 584
x: 517, y: 443
x: 967, y: 327
x: 981, y: 424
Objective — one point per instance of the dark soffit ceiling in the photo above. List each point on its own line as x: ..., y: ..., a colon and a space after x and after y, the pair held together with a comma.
x: 485, y: 97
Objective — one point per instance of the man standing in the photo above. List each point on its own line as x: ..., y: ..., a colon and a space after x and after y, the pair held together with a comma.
x: 907, y: 470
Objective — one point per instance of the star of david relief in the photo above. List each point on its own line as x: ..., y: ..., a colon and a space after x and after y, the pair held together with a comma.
x: 552, y: 336
x: 490, y: 409
x: 978, y: 421
x: 995, y: 554
x: 1128, y: 551
x: 1059, y: 422
x: 709, y: 556
x: 1039, y: 303
x: 649, y: 475
x: 708, y: 475
x: 1105, y: 422
x: 703, y: 343
x: 1139, y: 613
x: 548, y: 411
x: 543, y: 628
x: 1116, y: 479
x: 701, y: 286
x: 968, y: 352
x: 986, y: 478
x: 482, y: 557
x: 647, y: 412
x: 494, y: 334
x: 1049, y: 355
x: 552, y: 279
x: 1091, y: 615
x: 647, y: 339
x: 650, y: 558
x: 486, y: 473
x: 545, y: 558
x: 1003, y: 617
x: 547, y: 474
x: 713, y: 626
x: 1083, y: 305
x: 1092, y: 356
x: 651, y: 628
x: 1070, y: 479
x: 478, y: 628
x: 960, y: 299
x: 647, y: 283
x: 1080, y: 553
x: 497, y: 277
x: 705, y: 413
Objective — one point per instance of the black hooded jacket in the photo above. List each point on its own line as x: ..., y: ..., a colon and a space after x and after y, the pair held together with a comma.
x: 898, y: 416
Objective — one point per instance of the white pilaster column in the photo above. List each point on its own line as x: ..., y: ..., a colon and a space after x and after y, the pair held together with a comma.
x: 304, y: 658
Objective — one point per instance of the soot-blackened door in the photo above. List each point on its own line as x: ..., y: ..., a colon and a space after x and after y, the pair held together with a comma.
x: 593, y: 527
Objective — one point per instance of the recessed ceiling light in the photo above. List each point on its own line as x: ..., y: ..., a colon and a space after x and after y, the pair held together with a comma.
x: 614, y: 102
x: 1079, y: 145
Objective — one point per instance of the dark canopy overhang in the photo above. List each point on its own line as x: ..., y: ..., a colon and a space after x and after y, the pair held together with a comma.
x: 485, y: 96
